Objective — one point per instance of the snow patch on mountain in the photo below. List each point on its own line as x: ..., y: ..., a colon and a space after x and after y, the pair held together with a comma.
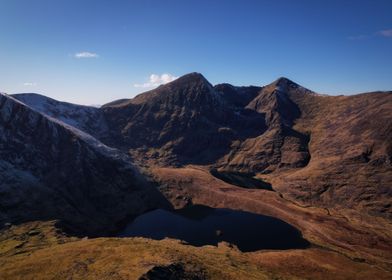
x: 41, y: 104
x: 86, y: 118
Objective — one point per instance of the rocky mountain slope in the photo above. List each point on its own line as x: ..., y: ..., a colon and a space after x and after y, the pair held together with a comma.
x: 351, y: 152
x: 328, y: 151
x: 51, y: 170
x: 185, y: 121
x: 280, y: 146
x: 190, y: 121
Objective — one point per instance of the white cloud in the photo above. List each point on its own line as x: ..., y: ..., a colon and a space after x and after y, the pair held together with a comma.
x: 385, y: 33
x: 156, y: 80
x: 86, y: 55
x: 29, y: 84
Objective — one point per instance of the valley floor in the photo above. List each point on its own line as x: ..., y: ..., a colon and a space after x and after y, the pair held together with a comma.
x: 346, y: 245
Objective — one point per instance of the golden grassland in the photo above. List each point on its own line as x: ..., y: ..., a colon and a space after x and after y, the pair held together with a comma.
x: 38, y: 250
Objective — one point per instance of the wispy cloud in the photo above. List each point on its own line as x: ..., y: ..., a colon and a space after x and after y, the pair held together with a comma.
x: 29, y: 84
x: 156, y: 80
x: 358, y: 37
x: 385, y: 33
x: 86, y: 55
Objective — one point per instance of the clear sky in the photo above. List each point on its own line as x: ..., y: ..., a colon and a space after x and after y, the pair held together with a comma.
x: 92, y: 52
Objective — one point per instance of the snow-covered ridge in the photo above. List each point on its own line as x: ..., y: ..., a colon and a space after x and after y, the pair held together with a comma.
x: 86, y: 118
x: 40, y: 101
x: 8, y: 107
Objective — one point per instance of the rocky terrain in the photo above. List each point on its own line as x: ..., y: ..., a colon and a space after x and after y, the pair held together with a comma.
x: 50, y: 170
x: 321, y: 163
x: 186, y: 121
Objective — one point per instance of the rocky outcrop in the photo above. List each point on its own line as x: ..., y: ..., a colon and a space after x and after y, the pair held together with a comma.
x: 174, y: 271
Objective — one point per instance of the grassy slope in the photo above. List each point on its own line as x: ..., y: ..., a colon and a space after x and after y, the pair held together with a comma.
x: 38, y: 251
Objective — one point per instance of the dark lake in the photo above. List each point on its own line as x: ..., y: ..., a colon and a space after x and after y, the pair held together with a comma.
x: 200, y: 225
x: 243, y: 180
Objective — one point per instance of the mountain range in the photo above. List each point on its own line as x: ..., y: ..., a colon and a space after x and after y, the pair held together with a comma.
x: 92, y: 168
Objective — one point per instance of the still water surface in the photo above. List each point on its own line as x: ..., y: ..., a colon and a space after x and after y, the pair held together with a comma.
x: 200, y: 225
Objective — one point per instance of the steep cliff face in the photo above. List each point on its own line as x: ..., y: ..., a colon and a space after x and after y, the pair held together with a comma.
x: 50, y: 170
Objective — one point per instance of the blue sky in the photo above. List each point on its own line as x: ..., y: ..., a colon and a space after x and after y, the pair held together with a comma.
x: 92, y: 52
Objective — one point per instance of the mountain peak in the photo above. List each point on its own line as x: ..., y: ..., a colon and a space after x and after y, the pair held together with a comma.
x: 193, y: 77
x: 284, y: 82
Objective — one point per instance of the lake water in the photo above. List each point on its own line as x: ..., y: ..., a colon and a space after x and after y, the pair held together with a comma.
x: 243, y: 180
x: 201, y: 225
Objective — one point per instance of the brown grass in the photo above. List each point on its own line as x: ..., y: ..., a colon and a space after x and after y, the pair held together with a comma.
x: 48, y: 255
